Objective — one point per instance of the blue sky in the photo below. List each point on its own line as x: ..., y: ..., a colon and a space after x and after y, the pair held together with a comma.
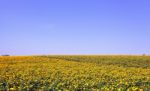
x: 37, y: 27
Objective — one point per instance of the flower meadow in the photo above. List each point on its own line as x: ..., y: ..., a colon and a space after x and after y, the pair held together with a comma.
x: 75, y: 73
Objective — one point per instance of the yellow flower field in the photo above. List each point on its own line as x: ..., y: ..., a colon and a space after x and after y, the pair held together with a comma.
x: 75, y: 73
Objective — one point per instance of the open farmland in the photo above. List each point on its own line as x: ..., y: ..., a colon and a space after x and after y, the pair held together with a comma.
x: 75, y: 73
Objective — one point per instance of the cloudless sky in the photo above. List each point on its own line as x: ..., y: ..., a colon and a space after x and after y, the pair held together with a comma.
x: 37, y: 27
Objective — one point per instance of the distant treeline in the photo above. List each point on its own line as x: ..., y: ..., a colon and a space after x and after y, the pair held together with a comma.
x: 5, y: 55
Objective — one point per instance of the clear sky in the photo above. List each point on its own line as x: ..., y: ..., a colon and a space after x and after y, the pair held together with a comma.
x: 31, y: 27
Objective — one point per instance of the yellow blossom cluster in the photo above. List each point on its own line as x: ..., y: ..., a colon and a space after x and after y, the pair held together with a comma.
x: 74, y: 73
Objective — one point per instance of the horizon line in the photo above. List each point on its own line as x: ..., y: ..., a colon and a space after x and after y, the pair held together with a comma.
x: 78, y: 55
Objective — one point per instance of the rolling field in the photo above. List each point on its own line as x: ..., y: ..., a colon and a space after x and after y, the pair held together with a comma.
x: 75, y: 73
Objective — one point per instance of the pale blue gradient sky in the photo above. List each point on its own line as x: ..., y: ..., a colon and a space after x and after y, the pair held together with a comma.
x: 36, y: 27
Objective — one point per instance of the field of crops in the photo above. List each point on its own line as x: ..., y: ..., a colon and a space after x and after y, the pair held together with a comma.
x: 75, y: 73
